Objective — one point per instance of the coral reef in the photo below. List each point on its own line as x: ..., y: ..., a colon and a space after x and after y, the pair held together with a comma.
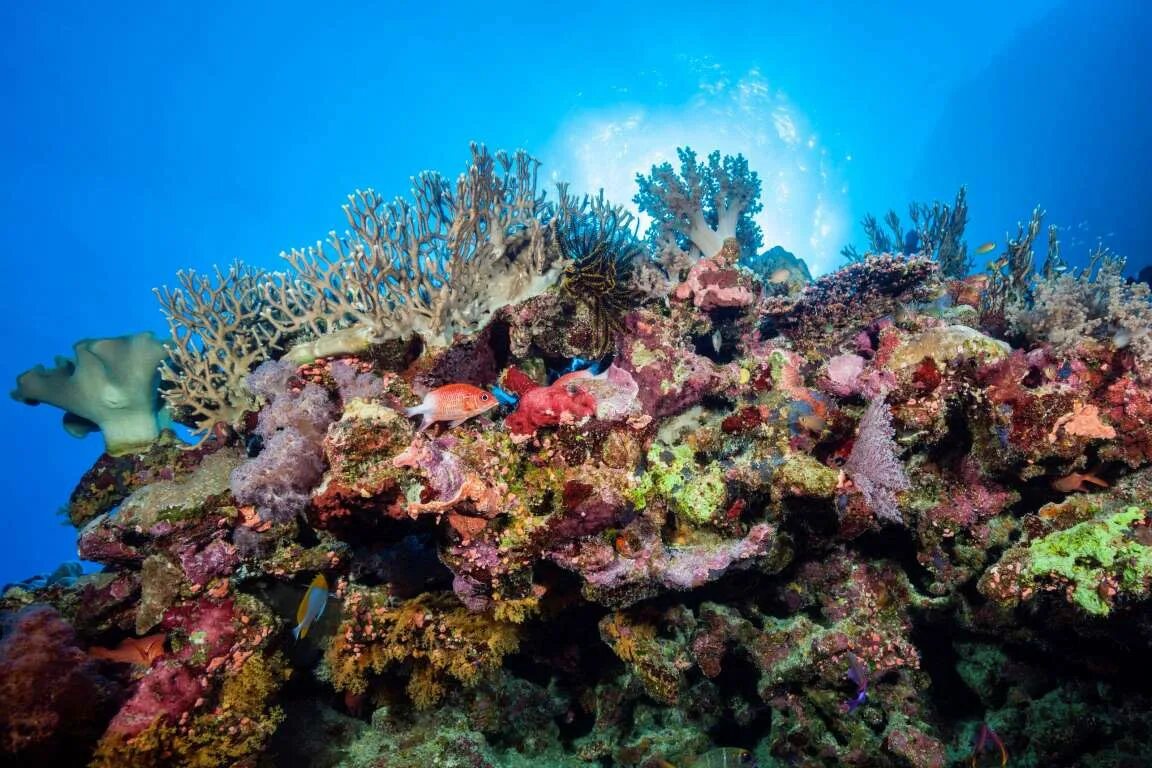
x: 706, y: 507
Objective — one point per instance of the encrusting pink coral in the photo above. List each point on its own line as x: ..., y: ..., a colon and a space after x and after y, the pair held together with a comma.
x: 1083, y: 421
x: 714, y: 282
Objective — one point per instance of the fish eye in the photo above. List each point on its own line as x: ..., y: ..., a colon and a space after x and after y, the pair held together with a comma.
x: 485, y: 397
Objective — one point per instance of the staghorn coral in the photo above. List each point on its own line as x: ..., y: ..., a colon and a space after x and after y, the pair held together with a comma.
x: 219, y: 335
x: 437, y: 266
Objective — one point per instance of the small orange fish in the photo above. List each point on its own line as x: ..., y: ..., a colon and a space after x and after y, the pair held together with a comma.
x: 141, y: 651
x: 985, y: 248
x: 454, y: 403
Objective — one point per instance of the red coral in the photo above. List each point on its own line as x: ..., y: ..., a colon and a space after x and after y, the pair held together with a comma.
x: 743, y: 421
x: 519, y: 383
x: 167, y: 691
x: 549, y: 406
x: 52, y: 696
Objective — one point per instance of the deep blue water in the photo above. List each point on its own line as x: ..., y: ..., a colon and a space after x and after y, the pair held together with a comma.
x: 153, y: 137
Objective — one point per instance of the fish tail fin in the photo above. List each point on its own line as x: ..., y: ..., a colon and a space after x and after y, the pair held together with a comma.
x: 300, y: 631
x: 422, y: 411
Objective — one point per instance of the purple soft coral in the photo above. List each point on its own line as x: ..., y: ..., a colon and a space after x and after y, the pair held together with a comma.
x: 279, y: 481
x: 873, y: 465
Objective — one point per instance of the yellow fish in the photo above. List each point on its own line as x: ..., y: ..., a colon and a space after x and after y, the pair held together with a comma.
x: 311, y: 606
x: 986, y: 248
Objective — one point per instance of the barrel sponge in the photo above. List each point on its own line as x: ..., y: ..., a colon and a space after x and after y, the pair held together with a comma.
x: 111, y: 386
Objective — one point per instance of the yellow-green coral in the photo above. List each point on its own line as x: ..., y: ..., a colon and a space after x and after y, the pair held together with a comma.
x: 1097, y: 559
x: 693, y: 492
x: 434, y: 632
x: 657, y: 663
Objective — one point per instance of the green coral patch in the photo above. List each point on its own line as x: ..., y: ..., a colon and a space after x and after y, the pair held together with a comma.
x: 1096, y: 557
x: 693, y: 492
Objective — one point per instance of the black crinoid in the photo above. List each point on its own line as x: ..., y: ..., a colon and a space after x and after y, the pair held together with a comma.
x: 599, y: 241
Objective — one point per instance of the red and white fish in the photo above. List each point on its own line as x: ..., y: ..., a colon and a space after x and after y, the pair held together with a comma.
x: 454, y: 403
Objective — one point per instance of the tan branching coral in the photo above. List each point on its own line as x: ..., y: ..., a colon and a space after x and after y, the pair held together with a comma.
x: 1097, y: 305
x: 439, y: 265
x: 219, y: 335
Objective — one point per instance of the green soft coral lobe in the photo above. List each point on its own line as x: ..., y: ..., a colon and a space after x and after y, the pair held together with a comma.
x: 695, y: 493
x: 1090, y: 552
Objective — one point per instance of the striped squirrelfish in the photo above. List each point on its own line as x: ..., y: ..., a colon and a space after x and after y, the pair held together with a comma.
x: 454, y: 403
x: 311, y: 606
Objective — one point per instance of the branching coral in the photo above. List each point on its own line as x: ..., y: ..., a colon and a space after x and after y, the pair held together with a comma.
x: 437, y: 266
x: 937, y: 230
x: 696, y: 210
x: 1097, y: 305
x: 219, y: 335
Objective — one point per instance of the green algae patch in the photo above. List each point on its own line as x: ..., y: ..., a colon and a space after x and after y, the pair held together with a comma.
x: 693, y: 492
x: 1098, y: 559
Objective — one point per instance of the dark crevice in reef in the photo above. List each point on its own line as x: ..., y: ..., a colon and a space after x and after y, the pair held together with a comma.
x: 934, y: 635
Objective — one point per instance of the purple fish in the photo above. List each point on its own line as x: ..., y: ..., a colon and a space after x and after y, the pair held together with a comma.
x: 858, y: 675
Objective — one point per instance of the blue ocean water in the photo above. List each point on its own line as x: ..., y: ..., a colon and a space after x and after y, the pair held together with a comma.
x: 146, y: 138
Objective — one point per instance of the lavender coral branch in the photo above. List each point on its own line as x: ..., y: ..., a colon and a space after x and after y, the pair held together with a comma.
x: 873, y: 465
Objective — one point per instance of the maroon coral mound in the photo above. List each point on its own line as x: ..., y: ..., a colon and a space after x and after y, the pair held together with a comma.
x: 54, y: 702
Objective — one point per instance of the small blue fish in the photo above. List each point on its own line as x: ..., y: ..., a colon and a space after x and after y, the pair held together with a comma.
x: 858, y: 675
x: 311, y: 606
x: 505, y: 397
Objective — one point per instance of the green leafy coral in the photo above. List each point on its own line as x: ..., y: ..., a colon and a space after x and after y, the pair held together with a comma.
x: 1098, y: 560
x: 693, y: 492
